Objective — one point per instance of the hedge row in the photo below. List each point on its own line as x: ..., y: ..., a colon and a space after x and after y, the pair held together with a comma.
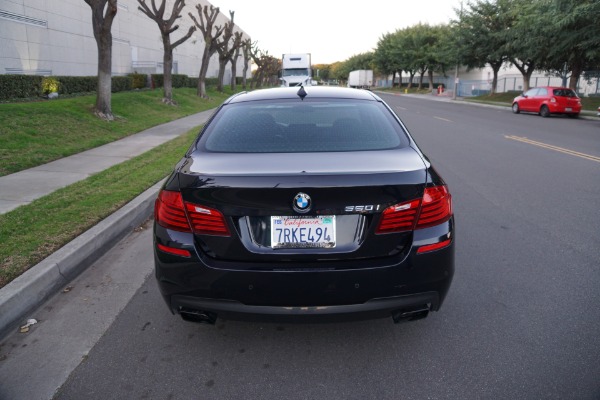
x: 180, y: 81
x: 29, y: 86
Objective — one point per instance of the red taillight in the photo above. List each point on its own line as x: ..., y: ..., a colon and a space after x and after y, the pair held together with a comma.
x: 206, y: 221
x: 435, y: 208
x: 170, y: 213
x: 399, y: 217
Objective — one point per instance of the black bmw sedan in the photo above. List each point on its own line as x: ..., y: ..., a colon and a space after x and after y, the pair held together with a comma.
x: 304, y: 204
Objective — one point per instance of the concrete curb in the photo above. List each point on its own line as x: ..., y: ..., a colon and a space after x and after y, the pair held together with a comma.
x: 36, y: 285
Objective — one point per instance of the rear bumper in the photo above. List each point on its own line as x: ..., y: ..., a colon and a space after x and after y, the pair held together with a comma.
x: 316, y: 291
x: 562, y: 109
x: 375, y: 308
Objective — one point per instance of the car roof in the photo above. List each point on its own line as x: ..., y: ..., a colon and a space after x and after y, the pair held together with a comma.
x: 551, y: 87
x: 311, y: 92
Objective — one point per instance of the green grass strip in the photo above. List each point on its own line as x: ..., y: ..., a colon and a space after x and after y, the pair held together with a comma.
x: 32, y: 232
x: 36, y: 133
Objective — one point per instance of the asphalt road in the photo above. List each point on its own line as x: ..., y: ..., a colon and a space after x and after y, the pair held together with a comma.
x: 521, y: 321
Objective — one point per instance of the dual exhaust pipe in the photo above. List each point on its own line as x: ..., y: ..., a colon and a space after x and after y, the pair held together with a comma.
x: 398, y: 316
x: 410, y: 315
x: 198, y: 316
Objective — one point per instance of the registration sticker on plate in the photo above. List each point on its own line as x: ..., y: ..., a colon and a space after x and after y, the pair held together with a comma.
x: 295, y: 232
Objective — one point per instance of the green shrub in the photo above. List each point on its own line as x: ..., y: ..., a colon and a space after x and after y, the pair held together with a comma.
x: 180, y: 80
x: 192, y: 82
x: 138, y: 81
x: 177, y: 80
x: 50, y: 85
x: 77, y: 84
x: 211, y: 82
x: 120, y: 83
x: 20, y: 86
x: 157, y: 80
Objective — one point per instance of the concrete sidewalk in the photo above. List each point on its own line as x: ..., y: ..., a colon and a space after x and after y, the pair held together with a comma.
x: 26, y: 293
x: 25, y: 186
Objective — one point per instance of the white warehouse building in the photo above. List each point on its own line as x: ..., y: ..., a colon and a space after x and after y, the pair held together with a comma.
x: 55, y: 37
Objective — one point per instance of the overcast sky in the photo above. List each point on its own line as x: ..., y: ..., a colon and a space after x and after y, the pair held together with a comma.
x: 331, y: 30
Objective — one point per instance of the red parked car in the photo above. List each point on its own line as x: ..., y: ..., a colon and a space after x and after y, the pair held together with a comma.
x: 548, y: 100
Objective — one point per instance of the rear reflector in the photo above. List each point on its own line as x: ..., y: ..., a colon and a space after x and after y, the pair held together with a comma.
x: 173, y: 250
x: 171, y: 212
x: 433, y: 247
x: 433, y: 209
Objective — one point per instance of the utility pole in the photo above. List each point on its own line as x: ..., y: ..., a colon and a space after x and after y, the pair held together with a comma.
x: 456, y: 80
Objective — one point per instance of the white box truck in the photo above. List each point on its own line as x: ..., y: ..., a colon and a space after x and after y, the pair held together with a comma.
x: 362, y: 79
x: 296, y: 70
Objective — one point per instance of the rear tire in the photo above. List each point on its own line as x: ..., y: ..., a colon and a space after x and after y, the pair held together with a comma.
x: 515, y: 108
x: 545, y: 111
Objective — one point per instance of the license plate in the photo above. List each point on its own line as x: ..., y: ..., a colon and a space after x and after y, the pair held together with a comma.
x: 303, y: 232
x: 568, y: 109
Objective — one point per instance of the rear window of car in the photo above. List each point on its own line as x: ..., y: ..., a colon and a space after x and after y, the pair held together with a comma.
x: 564, y: 93
x: 293, y: 126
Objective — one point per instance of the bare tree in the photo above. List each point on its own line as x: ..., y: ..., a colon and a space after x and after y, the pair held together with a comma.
x: 165, y: 25
x: 103, y: 14
x: 234, y: 69
x: 247, y: 48
x: 272, y: 67
x: 267, y: 67
x: 206, y: 26
x: 226, y: 52
x: 256, y: 55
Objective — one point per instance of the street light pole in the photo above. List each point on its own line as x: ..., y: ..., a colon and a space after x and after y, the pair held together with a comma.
x: 456, y: 80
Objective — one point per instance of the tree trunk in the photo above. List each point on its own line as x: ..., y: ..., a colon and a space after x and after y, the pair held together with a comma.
x: 422, y: 74
x: 526, y: 79
x: 167, y: 74
x: 576, y: 71
x: 210, y: 37
x: 104, y: 91
x: 526, y: 70
x: 573, y: 81
x: 244, y: 73
x: 233, y: 75
x: 495, y: 68
x: 166, y: 28
x: 259, y: 79
x: 101, y: 25
x: 430, y: 76
x: 247, y: 48
x: 234, y: 70
x: 222, y: 64
x: 410, y: 79
x: 202, y: 75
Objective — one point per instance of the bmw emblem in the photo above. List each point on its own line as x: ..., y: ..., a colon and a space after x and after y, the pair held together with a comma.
x: 302, y: 203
